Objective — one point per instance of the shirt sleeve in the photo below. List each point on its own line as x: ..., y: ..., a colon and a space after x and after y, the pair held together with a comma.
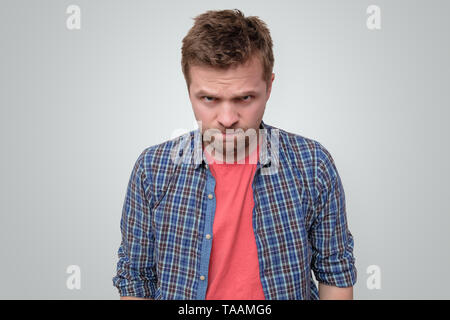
x: 332, y: 243
x: 135, y: 269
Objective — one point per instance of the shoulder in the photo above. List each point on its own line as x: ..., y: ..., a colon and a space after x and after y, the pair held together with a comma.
x: 156, y: 162
x: 160, y: 155
x: 308, y: 156
x: 301, y: 148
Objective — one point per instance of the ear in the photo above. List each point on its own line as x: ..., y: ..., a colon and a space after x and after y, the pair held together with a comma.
x: 269, y: 88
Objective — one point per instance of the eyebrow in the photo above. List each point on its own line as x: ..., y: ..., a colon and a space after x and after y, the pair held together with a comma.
x: 241, y: 94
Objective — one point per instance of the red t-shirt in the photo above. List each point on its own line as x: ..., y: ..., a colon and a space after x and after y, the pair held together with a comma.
x: 233, y: 266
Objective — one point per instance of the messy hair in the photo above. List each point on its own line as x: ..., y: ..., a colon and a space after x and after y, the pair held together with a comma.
x: 224, y: 38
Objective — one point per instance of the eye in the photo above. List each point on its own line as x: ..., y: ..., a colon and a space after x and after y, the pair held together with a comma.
x: 246, y: 99
x: 208, y: 98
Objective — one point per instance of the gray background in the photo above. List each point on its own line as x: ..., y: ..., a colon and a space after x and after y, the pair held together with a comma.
x: 77, y: 108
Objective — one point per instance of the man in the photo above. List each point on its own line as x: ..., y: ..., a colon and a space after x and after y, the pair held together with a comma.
x: 203, y: 220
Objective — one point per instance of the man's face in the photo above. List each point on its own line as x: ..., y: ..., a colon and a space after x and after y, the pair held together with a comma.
x: 233, y: 98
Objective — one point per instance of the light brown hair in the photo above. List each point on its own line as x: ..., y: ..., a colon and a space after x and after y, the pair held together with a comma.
x: 226, y: 37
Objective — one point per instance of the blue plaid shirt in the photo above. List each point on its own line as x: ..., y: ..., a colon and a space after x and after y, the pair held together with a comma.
x: 299, y: 220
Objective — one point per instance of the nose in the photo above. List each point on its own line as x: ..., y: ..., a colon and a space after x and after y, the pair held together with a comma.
x: 228, y: 117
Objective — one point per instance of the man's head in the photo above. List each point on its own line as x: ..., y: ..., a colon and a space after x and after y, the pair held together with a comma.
x: 227, y: 61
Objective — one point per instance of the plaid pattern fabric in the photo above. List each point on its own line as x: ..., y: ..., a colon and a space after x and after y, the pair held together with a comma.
x: 299, y: 220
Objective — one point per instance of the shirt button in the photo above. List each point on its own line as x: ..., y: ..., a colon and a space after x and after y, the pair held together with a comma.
x: 202, y: 277
x: 208, y: 236
x: 210, y: 196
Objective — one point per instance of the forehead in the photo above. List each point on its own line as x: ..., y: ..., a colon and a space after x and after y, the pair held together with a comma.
x: 247, y: 76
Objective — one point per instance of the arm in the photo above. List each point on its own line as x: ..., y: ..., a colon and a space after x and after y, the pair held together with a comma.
x: 332, y: 260
x: 135, y: 276
x: 327, y: 292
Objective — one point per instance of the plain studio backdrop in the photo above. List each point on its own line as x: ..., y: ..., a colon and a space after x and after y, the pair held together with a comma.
x: 78, y: 106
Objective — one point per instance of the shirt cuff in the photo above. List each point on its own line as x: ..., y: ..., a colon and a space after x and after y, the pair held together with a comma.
x: 144, y: 289
x: 342, y: 279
